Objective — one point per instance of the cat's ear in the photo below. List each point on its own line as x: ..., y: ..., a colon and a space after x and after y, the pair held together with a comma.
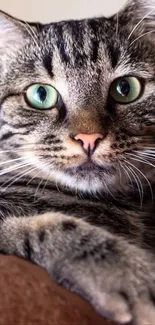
x: 11, y: 31
x: 139, y: 15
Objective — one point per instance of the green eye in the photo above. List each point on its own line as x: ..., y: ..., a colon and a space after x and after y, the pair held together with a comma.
x: 42, y: 96
x: 125, y: 90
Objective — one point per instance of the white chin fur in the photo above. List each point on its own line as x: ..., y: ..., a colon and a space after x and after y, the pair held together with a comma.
x: 89, y: 184
x: 86, y: 185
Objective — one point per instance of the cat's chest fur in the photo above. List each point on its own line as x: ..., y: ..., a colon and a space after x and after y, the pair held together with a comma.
x: 121, y: 216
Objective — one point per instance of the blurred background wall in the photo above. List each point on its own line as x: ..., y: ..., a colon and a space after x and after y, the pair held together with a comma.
x: 53, y: 10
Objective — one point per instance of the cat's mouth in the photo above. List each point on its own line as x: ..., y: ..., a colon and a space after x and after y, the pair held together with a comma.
x: 88, y: 177
x: 90, y: 167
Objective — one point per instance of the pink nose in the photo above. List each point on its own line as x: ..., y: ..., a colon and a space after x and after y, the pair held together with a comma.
x: 89, y: 141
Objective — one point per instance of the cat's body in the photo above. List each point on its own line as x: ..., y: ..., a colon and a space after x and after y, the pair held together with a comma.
x: 77, y: 179
x: 119, y: 217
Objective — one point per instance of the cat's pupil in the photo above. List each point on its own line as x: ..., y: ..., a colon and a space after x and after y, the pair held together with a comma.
x: 123, y: 88
x: 41, y: 93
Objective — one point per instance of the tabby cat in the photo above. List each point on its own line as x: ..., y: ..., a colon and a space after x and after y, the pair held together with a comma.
x: 77, y: 155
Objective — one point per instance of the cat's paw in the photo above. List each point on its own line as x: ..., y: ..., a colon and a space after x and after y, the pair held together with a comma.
x: 119, y: 309
x: 125, y: 292
x: 121, y: 285
x: 113, y: 306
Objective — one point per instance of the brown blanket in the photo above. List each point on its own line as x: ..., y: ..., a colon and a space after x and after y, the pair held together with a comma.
x: 28, y: 296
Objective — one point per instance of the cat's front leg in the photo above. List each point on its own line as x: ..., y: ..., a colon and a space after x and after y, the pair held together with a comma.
x: 115, y: 276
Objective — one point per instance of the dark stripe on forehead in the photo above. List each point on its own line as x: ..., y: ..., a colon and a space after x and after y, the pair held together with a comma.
x: 95, y: 47
x: 77, y: 34
x: 77, y: 41
x: 47, y: 62
x: 60, y: 42
x: 93, y: 26
x: 114, y: 53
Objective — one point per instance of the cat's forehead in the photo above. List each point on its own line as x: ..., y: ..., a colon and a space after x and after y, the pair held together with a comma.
x: 79, y: 53
x: 81, y: 42
x: 82, y: 54
x: 91, y: 45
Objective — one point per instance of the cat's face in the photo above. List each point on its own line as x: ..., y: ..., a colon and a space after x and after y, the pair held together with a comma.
x: 78, y: 98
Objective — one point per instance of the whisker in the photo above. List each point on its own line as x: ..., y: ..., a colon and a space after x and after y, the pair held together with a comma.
x: 146, y: 156
x: 147, y: 152
x: 12, y: 160
x: 151, y: 31
x: 126, y: 172
x: 119, y: 170
x: 44, y: 187
x: 12, y: 168
x: 31, y: 179
x: 141, y: 159
x: 36, y: 173
x: 150, y: 148
x: 143, y: 176
x: 43, y: 165
x: 18, y: 178
x: 138, y: 183
x: 108, y: 191
x: 57, y: 186
x: 29, y: 30
x: 117, y: 24
x: 136, y: 26
x: 37, y: 189
x: 14, y: 176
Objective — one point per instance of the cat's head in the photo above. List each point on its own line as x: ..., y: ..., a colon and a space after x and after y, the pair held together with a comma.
x: 77, y: 98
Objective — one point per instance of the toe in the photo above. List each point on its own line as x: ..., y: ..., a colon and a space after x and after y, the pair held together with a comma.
x: 144, y: 312
x: 115, y: 307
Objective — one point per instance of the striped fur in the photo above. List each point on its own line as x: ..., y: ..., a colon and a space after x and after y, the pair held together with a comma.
x: 84, y: 223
